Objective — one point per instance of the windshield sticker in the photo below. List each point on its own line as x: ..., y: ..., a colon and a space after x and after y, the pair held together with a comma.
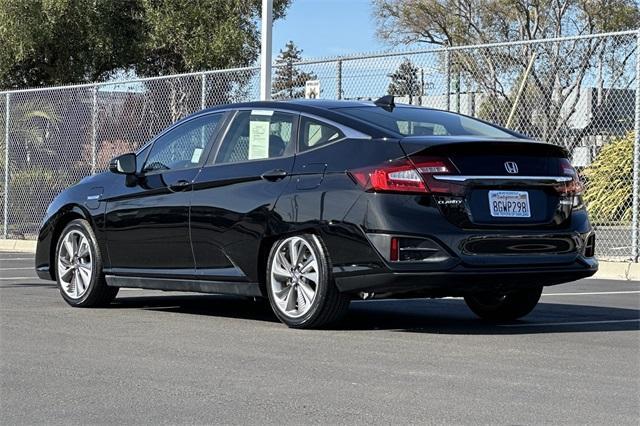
x: 258, y: 139
x: 195, y: 158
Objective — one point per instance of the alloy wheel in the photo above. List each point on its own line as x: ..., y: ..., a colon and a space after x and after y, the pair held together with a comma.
x: 294, y: 277
x: 75, y: 264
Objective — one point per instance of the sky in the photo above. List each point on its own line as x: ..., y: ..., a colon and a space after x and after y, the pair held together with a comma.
x: 324, y: 28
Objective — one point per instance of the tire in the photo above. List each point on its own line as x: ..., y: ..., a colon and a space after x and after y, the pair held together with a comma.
x: 78, y: 264
x: 294, y: 297
x: 504, y: 306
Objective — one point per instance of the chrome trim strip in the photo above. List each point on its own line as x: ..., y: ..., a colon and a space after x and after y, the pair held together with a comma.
x: 463, y: 178
x: 348, y: 132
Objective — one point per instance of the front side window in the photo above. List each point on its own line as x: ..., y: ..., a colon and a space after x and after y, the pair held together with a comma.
x: 424, y: 122
x: 141, y: 156
x: 257, y: 135
x: 182, y: 147
x: 314, y: 133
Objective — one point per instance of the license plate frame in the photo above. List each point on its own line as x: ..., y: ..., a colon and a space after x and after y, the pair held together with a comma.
x: 509, y: 204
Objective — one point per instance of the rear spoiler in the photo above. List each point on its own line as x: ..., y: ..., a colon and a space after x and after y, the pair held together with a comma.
x: 474, y: 145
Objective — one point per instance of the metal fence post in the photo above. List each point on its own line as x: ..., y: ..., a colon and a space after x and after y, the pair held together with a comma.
x: 447, y: 62
x: 203, y: 91
x: 94, y: 120
x: 5, y: 232
x: 339, y: 78
x: 636, y: 160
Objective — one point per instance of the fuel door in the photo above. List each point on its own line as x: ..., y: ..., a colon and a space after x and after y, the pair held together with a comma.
x: 311, y: 176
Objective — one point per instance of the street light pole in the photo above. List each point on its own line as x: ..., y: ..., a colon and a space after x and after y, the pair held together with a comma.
x: 265, y: 54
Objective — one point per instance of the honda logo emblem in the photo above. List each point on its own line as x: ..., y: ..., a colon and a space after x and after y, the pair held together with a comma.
x: 511, y: 167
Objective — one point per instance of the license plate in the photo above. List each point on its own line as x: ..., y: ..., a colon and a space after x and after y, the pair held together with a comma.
x: 509, y: 204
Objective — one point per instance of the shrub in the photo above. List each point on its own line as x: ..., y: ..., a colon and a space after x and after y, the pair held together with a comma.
x: 30, y: 192
x: 609, y: 182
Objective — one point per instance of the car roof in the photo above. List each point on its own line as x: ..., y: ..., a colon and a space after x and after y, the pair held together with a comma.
x: 323, y: 108
x: 305, y: 104
x: 328, y: 108
x: 295, y: 104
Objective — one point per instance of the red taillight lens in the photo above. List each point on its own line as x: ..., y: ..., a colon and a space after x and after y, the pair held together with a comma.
x: 395, y: 176
x: 574, y: 186
x: 430, y: 167
x: 415, y: 175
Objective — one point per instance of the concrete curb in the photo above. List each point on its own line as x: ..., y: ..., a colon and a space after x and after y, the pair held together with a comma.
x: 22, y: 246
x: 607, y: 270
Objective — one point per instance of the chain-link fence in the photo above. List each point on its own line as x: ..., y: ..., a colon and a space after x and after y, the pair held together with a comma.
x: 578, y: 92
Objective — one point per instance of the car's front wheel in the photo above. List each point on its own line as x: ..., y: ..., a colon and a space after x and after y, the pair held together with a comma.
x: 79, y: 267
x: 504, y: 306
x: 299, y: 283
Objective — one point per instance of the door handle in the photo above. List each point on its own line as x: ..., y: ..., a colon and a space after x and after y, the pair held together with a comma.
x: 274, y: 175
x: 180, y: 185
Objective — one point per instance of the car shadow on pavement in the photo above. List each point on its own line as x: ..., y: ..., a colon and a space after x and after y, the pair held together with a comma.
x: 200, y: 304
x: 442, y: 316
x: 451, y: 316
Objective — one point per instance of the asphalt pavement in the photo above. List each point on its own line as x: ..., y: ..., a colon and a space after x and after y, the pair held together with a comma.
x: 183, y: 358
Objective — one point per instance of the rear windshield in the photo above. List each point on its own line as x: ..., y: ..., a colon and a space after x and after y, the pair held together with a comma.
x: 424, y: 122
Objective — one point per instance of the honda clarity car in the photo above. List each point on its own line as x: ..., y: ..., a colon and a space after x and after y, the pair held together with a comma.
x: 314, y: 203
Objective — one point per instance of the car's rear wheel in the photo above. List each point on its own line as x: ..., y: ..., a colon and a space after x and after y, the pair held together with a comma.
x: 79, y: 267
x: 300, y: 288
x: 496, y: 306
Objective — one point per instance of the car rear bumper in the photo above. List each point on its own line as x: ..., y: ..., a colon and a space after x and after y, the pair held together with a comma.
x: 463, y: 280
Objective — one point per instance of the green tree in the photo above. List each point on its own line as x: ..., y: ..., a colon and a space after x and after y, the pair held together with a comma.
x: 289, y: 81
x: 405, y: 81
x: 52, y: 42
x: 188, y: 35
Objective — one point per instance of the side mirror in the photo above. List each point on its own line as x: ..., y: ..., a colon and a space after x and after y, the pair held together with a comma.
x: 124, y: 164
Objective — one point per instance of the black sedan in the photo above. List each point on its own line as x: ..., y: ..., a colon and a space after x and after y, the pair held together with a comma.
x: 312, y: 204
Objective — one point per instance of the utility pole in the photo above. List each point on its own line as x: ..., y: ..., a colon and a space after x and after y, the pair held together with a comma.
x: 265, y: 53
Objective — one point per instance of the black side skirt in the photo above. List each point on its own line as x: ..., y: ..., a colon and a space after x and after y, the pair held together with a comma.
x: 173, y: 284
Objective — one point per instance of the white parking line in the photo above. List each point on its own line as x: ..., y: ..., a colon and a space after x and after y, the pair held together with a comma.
x: 540, y: 324
x: 593, y: 293
x: 15, y: 258
x: 18, y: 278
x: 16, y: 269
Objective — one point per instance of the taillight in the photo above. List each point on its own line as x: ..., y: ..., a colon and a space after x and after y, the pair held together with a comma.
x: 574, y: 186
x: 394, y: 176
x: 429, y: 167
x: 571, y: 191
x: 415, y: 175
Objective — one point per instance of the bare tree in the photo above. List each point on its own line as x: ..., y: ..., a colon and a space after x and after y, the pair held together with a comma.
x: 552, y: 87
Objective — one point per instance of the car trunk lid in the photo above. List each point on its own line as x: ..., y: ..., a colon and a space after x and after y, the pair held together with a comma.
x: 497, y: 183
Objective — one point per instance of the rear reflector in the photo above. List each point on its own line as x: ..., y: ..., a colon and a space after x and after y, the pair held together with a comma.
x: 408, y: 249
x: 394, y: 249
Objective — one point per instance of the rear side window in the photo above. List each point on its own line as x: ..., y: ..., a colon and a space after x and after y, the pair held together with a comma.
x: 182, y: 147
x: 257, y: 135
x: 314, y: 133
x: 425, y: 122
